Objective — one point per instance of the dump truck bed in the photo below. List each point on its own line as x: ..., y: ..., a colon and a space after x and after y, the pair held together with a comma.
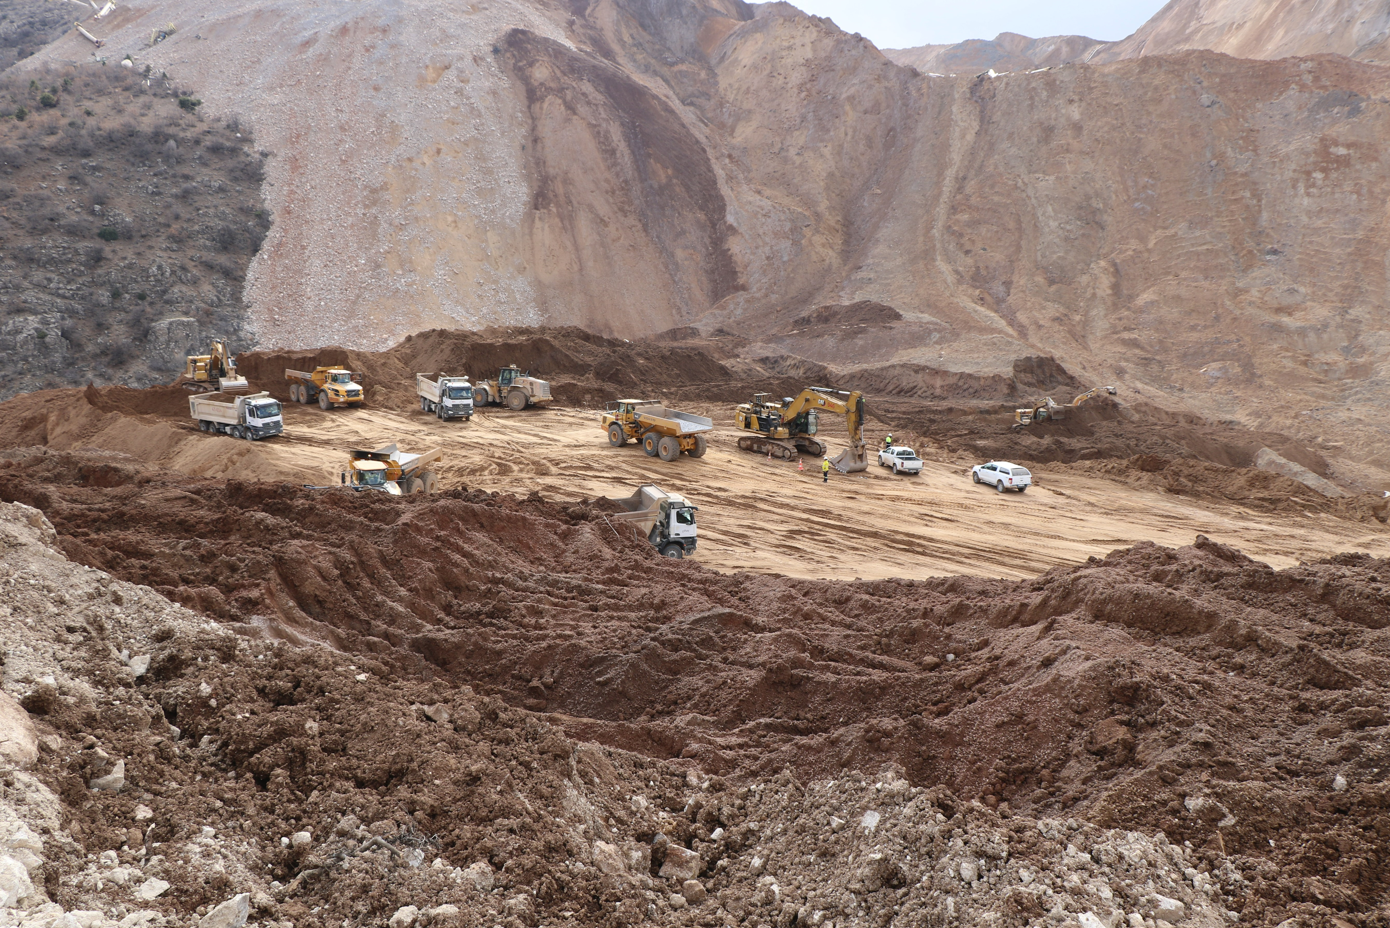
x: 672, y: 421
x: 219, y: 407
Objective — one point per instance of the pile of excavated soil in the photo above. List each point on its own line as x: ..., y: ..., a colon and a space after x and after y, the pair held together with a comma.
x: 170, y: 773
x: 1192, y: 691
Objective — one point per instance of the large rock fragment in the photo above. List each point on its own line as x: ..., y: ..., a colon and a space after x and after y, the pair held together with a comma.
x: 19, y: 746
x: 230, y: 914
x: 15, y: 885
x: 680, y: 864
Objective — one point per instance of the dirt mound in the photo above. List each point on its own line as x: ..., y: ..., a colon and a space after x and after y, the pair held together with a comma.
x: 583, y: 369
x: 193, y: 769
x: 865, y: 312
x: 1124, y: 690
x: 1248, y: 486
x: 1031, y: 375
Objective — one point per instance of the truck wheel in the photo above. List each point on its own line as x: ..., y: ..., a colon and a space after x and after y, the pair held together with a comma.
x: 649, y: 444
x: 431, y: 480
x: 700, y: 446
x: 248, y: 434
x: 616, y: 436
x: 673, y: 550
x: 516, y: 400
x: 324, y: 403
x: 294, y: 393
x: 424, y: 405
x: 669, y: 448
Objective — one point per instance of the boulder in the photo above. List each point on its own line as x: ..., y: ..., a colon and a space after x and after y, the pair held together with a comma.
x: 608, y: 859
x: 113, y: 781
x: 19, y: 746
x: 481, y: 875
x: 151, y: 889
x: 405, y: 916
x: 15, y: 885
x: 680, y: 864
x: 230, y: 914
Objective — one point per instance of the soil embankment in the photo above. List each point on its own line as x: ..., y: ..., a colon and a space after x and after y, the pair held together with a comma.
x: 1192, y: 691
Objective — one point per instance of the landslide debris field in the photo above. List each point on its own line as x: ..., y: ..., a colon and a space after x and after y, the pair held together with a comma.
x: 486, y: 706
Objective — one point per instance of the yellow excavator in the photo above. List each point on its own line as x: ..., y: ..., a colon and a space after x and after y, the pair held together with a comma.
x: 788, y: 428
x: 215, y: 371
x: 1050, y: 410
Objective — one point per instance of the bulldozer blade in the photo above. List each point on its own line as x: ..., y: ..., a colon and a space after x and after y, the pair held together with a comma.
x: 852, y: 460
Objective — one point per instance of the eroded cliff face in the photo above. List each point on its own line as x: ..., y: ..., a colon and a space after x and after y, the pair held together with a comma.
x: 1207, y: 232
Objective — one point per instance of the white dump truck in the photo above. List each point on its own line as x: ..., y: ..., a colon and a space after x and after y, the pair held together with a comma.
x: 667, y: 520
x: 238, y: 415
x: 447, y: 397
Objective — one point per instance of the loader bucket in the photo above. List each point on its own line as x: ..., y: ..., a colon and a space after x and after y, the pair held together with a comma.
x: 852, y: 460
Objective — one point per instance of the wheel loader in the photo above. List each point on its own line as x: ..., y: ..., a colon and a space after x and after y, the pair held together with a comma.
x: 214, y: 372
x: 512, y: 387
x: 787, y: 429
x: 391, y: 470
x: 1052, y: 410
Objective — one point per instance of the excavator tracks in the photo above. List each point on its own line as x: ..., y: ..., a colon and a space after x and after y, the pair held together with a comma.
x: 757, y: 444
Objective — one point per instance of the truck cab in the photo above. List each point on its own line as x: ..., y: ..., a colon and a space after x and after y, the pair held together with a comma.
x: 263, y: 418
x: 675, y: 527
x: 369, y: 475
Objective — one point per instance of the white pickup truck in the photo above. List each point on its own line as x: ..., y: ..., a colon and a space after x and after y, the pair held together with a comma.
x: 902, y: 460
x: 1003, y: 476
x: 238, y: 415
x: 447, y: 397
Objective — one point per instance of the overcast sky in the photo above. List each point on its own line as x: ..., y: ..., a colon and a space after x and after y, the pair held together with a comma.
x: 909, y: 23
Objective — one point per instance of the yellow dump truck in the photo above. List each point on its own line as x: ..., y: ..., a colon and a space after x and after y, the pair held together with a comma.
x: 662, y: 432
x: 330, y: 386
x: 392, y: 470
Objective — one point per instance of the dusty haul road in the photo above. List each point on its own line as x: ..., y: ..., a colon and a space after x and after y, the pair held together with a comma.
x: 769, y: 516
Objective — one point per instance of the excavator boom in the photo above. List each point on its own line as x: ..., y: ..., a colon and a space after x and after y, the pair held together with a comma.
x: 787, y: 429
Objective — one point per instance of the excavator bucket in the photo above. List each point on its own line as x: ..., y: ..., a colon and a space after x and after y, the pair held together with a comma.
x: 234, y: 385
x: 852, y: 460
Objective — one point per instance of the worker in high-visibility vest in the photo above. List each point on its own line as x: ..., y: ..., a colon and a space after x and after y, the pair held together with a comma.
x: 825, y: 471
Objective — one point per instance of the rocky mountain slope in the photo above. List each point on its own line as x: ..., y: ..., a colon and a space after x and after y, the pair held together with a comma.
x: 1201, y: 230
x: 126, y: 225
x: 1007, y: 51
x: 1263, y: 29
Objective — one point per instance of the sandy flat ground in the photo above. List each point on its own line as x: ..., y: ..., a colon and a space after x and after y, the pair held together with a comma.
x: 769, y: 517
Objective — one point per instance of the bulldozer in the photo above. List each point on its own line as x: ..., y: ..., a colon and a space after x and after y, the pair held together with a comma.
x: 788, y: 428
x: 391, y: 470
x: 214, y: 372
x: 1052, y: 410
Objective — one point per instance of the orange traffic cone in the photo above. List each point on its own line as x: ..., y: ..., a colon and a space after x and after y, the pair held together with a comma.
x: 801, y: 466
